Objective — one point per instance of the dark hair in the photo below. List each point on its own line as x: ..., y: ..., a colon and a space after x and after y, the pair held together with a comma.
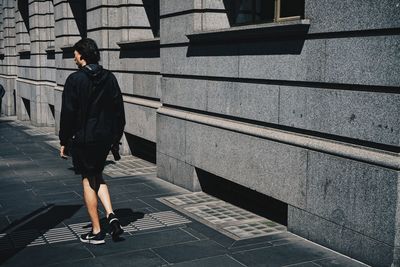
x: 88, y: 49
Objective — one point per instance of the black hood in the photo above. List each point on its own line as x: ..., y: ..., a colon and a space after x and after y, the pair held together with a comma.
x: 95, y: 72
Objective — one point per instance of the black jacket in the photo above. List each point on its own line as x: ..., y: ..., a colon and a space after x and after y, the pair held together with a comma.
x: 92, y: 107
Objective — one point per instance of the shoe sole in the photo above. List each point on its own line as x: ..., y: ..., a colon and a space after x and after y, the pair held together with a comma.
x: 91, y: 241
x: 117, y: 233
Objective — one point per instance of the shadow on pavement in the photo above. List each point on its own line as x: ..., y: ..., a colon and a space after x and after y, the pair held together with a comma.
x: 109, y: 162
x: 19, y: 234
x: 125, y: 216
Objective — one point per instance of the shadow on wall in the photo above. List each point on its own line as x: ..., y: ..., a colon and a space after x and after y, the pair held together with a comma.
x: 51, y: 54
x: 141, y: 148
x: 23, y: 7
x: 243, y: 48
x: 152, y: 8
x: 52, y: 110
x: 27, y: 105
x: 243, y: 197
x: 145, y: 49
x: 15, y: 102
x: 78, y: 8
x: 25, y: 55
x: 67, y: 52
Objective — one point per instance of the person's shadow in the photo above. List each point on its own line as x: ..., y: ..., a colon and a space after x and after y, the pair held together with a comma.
x: 22, y: 232
x: 125, y: 217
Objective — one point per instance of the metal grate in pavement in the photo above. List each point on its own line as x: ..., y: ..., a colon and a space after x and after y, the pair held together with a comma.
x: 26, y: 238
x: 195, y: 198
x: 20, y: 123
x: 255, y: 229
x: 37, y: 131
x: 226, y: 218
x: 56, y: 235
x: 20, y: 239
x: 147, y: 223
x: 5, y: 242
x: 221, y: 212
x: 80, y: 228
x: 169, y: 218
x: 128, y: 166
x: 37, y: 242
x: 129, y: 228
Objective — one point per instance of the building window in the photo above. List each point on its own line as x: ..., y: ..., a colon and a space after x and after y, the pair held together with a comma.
x: 243, y: 12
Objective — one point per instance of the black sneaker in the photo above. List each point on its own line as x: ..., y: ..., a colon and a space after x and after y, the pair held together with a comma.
x: 95, y: 239
x: 115, y: 226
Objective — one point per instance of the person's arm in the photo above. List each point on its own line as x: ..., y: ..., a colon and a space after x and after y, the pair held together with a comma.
x: 68, y: 114
x: 119, y: 113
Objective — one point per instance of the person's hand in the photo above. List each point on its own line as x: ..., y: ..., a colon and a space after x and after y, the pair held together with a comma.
x: 115, y: 151
x: 62, y: 155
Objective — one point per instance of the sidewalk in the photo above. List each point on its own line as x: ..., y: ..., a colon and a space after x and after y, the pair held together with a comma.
x: 42, y: 215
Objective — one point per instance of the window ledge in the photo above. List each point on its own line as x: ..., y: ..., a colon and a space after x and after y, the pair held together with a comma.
x: 24, y: 51
x: 291, y: 28
x: 67, y: 48
x: 146, y: 43
x: 50, y: 49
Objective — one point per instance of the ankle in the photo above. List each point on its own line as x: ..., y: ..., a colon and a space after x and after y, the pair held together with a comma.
x: 96, y: 231
x: 111, y: 213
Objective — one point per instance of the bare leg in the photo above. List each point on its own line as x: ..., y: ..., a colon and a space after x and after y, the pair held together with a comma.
x: 90, y: 197
x: 104, y: 196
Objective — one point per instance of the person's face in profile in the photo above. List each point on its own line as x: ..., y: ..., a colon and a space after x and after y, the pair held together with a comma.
x: 78, y: 61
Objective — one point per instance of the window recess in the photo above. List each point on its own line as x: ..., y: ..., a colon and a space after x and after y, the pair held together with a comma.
x: 244, y: 12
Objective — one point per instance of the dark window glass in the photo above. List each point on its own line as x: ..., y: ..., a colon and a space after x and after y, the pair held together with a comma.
x: 264, y: 10
x: 291, y: 8
x: 242, y: 12
x: 251, y: 11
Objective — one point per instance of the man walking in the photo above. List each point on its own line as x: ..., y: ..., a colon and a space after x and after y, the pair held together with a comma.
x: 92, y: 122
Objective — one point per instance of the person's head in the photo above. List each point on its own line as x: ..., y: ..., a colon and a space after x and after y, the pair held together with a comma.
x: 86, y: 52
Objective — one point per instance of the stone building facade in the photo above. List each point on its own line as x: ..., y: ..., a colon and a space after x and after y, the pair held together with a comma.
x: 299, y: 102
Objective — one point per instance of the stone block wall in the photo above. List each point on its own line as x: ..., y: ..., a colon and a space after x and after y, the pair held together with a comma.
x: 308, y: 118
x: 303, y: 111
x: 8, y: 56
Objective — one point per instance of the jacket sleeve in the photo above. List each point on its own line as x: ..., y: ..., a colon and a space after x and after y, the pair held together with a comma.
x: 68, y: 112
x: 119, y: 112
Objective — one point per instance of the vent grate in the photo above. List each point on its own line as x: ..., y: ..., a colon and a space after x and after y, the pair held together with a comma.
x: 226, y: 218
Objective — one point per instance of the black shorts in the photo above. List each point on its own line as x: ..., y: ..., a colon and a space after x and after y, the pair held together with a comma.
x: 89, y: 159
